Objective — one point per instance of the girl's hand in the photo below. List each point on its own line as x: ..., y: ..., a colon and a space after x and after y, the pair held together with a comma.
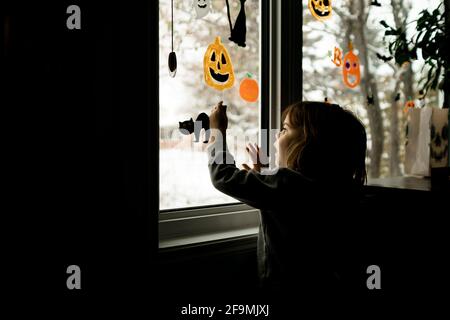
x: 255, y: 155
x: 218, y: 118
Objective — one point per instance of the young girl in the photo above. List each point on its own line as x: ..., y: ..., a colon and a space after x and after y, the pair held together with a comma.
x: 305, y: 240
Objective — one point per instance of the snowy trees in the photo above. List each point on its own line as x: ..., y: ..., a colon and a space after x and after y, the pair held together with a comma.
x: 389, y: 86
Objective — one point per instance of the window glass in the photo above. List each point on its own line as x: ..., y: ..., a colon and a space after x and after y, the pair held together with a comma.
x: 384, y: 88
x: 184, y: 176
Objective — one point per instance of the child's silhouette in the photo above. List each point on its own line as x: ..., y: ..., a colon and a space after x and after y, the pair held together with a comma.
x: 305, y: 241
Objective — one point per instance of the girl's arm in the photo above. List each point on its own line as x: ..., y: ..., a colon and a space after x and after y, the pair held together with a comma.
x: 269, y: 191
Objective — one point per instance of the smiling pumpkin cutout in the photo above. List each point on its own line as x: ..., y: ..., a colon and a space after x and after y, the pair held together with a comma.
x: 218, y: 69
x: 320, y: 9
x: 351, y: 72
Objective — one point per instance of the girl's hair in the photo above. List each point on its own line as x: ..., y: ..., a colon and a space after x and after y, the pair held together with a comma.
x: 331, y: 142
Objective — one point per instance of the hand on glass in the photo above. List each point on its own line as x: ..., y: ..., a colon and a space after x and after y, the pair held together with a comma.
x: 255, y: 156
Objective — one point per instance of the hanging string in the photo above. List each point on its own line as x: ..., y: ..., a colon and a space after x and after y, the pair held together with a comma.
x: 172, y: 23
x: 228, y: 13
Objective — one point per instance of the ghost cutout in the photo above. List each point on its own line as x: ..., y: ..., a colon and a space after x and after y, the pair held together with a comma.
x: 201, y: 8
x: 217, y: 66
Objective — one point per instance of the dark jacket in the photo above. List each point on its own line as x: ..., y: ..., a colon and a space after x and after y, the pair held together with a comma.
x: 303, y: 237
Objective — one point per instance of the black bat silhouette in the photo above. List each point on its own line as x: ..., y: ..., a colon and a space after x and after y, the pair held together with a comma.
x: 384, y: 58
x: 375, y: 3
x: 397, y: 97
x: 370, y: 100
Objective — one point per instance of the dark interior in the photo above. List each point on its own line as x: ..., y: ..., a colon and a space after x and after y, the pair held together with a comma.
x: 81, y: 113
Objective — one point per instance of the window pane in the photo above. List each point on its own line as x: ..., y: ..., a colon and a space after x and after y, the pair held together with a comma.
x: 184, y: 175
x: 390, y: 86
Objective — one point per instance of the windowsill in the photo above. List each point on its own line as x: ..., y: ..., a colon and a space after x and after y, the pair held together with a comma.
x: 193, y: 227
x: 205, y: 226
x: 205, y: 239
x: 424, y: 184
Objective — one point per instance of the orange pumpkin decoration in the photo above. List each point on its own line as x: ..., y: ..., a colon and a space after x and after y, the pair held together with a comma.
x: 320, y: 9
x: 218, y: 69
x: 351, y: 71
x: 409, y: 105
x: 248, y: 89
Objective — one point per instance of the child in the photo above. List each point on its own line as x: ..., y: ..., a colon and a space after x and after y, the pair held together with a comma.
x: 305, y: 240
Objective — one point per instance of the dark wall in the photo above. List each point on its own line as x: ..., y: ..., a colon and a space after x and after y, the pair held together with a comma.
x: 82, y: 147
x: 401, y: 231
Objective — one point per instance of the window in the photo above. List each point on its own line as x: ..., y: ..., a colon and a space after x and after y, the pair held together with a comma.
x: 391, y: 87
x: 184, y: 176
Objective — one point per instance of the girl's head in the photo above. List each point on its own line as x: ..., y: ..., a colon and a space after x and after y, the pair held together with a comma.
x: 323, y: 142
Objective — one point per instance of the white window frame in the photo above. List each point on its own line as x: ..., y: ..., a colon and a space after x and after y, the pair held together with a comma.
x: 202, y: 225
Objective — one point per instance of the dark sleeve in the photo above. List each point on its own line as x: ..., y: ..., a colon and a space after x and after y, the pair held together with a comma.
x: 262, y: 191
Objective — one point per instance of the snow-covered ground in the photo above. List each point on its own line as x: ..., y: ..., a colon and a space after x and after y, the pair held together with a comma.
x: 184, y: 180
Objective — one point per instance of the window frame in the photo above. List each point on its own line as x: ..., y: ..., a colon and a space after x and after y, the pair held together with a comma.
x: 204, y: 224
x: 264, y: 112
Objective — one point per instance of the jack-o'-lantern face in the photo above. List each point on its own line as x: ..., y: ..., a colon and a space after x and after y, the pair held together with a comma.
x: 351, y: 72
x: 408, y: 105
x: 320, y: 9
x: 218, y: 69
x: 439, y: 138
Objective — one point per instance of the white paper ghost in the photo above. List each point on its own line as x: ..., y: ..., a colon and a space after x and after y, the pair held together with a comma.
x: 201, y: 8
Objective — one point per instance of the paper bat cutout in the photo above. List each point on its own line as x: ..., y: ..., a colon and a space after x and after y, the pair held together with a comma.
x: 370, y: 100
x: 384, y: 58
x: 375, y: 3
x: 239, y: 31
x: 397, y: 97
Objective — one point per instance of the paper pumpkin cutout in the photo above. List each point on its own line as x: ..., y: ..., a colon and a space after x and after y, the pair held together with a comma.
x: 239, y: 31
x: 320, y: 9
x: 248, y: 89
x: 409, y: 105
x: 201, y: 8
x: 337, y: 57
x: 351, y: 72
x: 217, y: 65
